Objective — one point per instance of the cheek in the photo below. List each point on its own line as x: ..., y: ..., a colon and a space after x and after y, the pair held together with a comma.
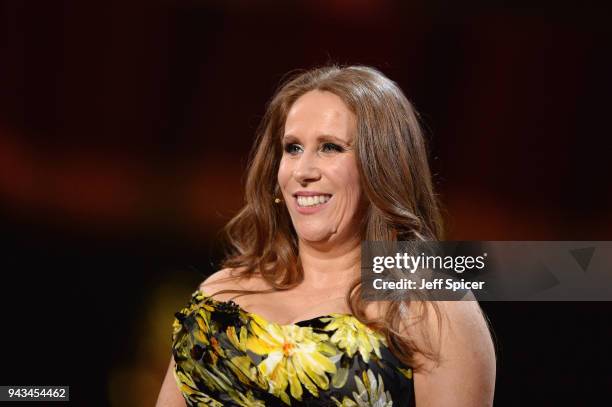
x: 284, y: 172
x: 348, y: 177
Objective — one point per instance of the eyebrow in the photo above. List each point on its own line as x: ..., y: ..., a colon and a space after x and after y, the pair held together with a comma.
x: 322, y: 137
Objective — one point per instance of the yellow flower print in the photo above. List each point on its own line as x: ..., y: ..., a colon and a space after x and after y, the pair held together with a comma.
x: 406, y: 372
x: 352, y: 335
x: 201, y: 301
x: 216, y: 347
x: 242, y: 367
x: 176, y: 327
x: 189, y: 388
x: 371, y: 393
x: 294, y: 356
x: 247, y: 400
x: 201, y: 313
x: 238, y: 342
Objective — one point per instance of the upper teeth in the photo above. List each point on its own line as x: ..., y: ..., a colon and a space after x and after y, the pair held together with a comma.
x: 312, y: 200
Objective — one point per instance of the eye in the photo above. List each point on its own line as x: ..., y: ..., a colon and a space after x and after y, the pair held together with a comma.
x: 327, y: 147
x: 292, y: 148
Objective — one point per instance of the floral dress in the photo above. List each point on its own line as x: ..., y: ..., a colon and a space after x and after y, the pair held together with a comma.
x: 226, y: 356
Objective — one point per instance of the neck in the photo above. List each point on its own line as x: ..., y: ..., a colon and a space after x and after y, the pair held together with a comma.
x: 327, y: 266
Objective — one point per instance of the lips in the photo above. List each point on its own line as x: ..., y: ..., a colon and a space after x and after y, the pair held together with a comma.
x: 310, y: 193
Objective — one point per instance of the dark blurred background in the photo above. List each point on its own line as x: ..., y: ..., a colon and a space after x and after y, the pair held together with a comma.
x: 125, y: 128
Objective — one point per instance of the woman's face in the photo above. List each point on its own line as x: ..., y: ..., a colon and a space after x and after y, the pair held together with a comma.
x: 318, y: 174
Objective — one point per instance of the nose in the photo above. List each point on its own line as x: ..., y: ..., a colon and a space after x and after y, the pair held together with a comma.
x: 307, y: 169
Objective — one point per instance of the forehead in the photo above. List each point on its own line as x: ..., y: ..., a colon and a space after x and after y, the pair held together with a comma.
x: 320, y: 112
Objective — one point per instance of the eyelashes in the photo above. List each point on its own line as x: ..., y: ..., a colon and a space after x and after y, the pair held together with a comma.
x: 334, y: 147
x: 294, y: 148
x: 290, y: 148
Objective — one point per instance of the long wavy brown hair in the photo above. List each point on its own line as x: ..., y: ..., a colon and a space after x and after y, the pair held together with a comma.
x: 395, y: 178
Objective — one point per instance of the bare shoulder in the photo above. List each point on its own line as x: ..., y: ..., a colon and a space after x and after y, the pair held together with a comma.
x: 460, y: 320
x: 224, y: 279
x: 228, y: 279
x: 217, y: 278
x: 459, y: 333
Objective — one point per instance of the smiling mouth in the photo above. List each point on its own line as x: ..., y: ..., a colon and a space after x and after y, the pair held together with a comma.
x: 312, y: 201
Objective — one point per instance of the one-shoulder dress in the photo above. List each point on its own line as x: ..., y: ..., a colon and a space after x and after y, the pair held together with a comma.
x: 227, y: 356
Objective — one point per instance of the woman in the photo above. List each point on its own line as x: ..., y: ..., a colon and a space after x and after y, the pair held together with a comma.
x: 339, y: 158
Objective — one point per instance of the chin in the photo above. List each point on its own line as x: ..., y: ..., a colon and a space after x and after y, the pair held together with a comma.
x: 315, y: 236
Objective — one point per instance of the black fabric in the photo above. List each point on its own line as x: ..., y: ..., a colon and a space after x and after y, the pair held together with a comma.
x: 227, y: 356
